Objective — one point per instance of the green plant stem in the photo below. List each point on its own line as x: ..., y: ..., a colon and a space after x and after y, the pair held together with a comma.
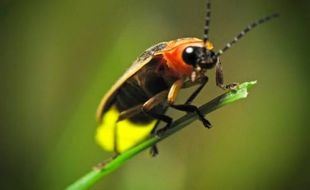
x: 93, y: 176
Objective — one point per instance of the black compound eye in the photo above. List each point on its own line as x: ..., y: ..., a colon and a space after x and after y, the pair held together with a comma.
x: 190, y: 55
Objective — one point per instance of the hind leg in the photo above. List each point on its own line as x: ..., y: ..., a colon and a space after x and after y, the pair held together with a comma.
x: 147, y: 108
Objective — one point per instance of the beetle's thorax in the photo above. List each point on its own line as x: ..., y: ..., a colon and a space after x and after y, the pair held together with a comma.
x: 175, y: 64
x: 174, y: 60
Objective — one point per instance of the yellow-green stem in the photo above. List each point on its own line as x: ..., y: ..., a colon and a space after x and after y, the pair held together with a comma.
x: 93, y: 176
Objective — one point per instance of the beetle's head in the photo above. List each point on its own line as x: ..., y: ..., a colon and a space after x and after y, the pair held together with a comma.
x: 203, y: 57
x: 200, y: 58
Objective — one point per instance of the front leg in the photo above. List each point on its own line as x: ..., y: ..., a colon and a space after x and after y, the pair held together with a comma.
x: 220, y: 78
x: 172, y: 95
x: 202, y: 82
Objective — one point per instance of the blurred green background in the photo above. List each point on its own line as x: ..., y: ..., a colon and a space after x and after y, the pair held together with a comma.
x: 57, y: 58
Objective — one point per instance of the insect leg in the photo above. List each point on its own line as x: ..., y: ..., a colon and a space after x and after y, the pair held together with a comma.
x: 220, y: 78
x: 203, y: 81
x: 154, y: 150
x: 173, y: 92
x: 147, y: 109
x: 151, y: 103
x: 130, y: 112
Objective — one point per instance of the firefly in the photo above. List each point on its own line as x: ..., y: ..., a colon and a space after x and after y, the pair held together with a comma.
x: 134, y: 106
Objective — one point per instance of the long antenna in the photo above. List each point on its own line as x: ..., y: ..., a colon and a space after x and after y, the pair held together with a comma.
x: 207, y: 22
x: 246, y: 30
